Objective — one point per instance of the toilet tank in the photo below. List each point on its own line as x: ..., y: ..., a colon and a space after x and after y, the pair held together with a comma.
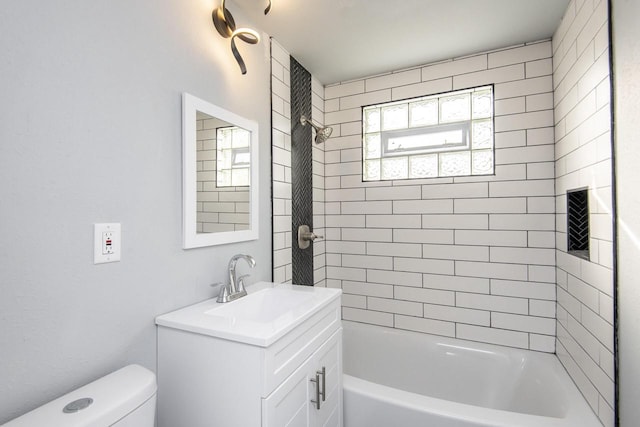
x: 124, y: 398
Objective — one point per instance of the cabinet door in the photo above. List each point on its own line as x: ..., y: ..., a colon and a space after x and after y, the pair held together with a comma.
x: 329, y: 356
x: 289, y: 404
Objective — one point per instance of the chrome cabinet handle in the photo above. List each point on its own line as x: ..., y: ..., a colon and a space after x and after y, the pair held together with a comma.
x: 324, y: 382
x: 318, y: 394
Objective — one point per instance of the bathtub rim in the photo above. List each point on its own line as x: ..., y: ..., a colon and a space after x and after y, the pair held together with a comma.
x: 579, y: 413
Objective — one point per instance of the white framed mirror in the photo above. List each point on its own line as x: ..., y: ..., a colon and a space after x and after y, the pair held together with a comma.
x: 219, y: 175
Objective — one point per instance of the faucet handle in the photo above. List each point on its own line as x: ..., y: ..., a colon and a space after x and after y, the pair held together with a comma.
x: 240, y: 282
x: 223, y: 296
x: 306, y: 236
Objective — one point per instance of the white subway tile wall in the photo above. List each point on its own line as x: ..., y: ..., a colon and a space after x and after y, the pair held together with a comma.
x: 583, y: 160
x: 318, y: 182
x: 281, y: 163
x: 467, y: 257
x: 477, y: 258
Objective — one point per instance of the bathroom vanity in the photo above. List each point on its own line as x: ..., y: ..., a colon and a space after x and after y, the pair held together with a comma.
x: 270, y: 359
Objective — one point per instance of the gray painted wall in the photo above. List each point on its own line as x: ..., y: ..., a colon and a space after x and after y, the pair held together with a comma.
x: 626, y: 50
x: 90, y: 131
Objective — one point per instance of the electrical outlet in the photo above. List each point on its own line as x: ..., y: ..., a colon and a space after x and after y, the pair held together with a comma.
x: 106, y: 242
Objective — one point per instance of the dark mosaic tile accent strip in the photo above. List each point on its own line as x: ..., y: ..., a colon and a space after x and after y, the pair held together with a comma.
x: 301, y: 172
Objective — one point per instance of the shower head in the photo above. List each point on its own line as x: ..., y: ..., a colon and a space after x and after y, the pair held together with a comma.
x: 322, y: 132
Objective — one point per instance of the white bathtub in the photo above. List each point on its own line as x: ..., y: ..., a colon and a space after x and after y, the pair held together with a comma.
x: 398, y: 378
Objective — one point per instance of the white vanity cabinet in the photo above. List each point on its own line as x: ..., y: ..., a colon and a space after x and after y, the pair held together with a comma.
x: 254, y: 367
x: 312, y: 395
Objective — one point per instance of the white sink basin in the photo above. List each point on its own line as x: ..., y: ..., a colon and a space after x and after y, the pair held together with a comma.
x: 266, y: 314
x: 265, y: 305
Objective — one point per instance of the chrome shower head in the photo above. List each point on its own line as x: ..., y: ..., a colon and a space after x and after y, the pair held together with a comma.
x: 322, y: 132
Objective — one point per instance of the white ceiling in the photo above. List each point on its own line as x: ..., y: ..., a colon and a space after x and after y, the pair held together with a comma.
x: 338, y: 40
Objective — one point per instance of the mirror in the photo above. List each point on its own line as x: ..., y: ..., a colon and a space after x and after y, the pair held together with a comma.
x: 220, y: 175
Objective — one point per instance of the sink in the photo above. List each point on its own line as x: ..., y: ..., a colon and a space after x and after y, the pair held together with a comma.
x: 266, y: 314
x: 266, y: 305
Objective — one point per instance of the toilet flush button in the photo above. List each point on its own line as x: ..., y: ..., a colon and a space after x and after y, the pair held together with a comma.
x: 77, y: 405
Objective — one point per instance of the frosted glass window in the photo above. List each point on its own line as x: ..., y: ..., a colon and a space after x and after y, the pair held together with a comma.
x: 423, y: 166
x: 372, y: 170
x: 394, y: 168
x: 482, y: 134
x: 449, y: 134
x: 224, y: 138
x: 482, y: 104
x: 455, y: 164
x: 423, y: 113
x: 372, y: 146
x: 233, y: 157
x: 482, y: 162
x: 240, y: 177
x: 224, y: 178
x: 454, y: 108
x: 372, y: 120
x: 395, y: 117
x: 240, y: 138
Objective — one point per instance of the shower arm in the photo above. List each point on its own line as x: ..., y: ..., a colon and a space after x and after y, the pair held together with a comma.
x: 304, y: 120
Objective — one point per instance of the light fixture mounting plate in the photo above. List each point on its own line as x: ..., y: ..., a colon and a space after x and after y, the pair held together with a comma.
x: 223, y: 21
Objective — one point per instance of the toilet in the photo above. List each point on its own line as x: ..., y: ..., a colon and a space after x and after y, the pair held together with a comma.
x: 124, y: 398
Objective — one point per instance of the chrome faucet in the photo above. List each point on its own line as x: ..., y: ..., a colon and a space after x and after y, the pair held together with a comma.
x: 235, y: 289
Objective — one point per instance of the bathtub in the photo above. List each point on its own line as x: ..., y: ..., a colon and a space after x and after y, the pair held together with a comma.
x: 395, y: 378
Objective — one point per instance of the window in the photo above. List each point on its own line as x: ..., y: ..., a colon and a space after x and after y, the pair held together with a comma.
x: 450, y: 134
x: 233, y: 157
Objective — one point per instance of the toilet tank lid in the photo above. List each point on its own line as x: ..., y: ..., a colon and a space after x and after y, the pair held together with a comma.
x: 114, y: 396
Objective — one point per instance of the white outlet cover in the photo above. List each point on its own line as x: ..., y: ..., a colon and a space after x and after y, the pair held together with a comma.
x: 99, y: 256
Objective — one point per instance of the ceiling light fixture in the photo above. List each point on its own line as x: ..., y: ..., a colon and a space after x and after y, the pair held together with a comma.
x: 226, y: 26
